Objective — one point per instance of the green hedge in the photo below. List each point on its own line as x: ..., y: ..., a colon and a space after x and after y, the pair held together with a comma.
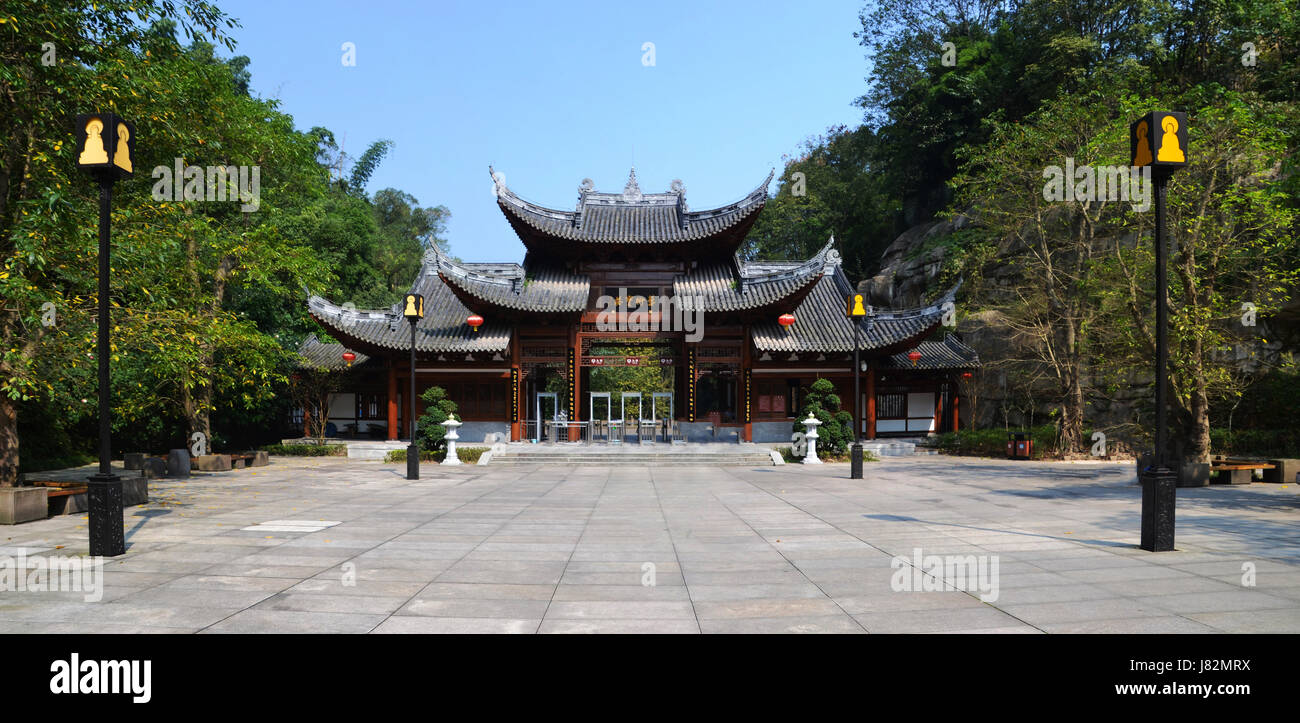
x: 308, y: 450
x: 468, y: 455
x: 1256, y: 442
x: 993, y: 442
x: 787, y: 454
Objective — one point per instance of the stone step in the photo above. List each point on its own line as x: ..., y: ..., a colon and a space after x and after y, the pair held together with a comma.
x: 656, y: 463
x: 748, y: 459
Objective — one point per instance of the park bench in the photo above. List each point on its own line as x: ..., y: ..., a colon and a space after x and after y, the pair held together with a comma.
x: 1238, y: 472
x: 61, y: 489
x: 61, y: 497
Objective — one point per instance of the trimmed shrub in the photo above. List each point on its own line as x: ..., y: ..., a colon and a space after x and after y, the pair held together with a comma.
x: 467, y: 455
x: 993, y: 442
x: 307, y: 450
x: 429, y: 429
x: 836, y: 431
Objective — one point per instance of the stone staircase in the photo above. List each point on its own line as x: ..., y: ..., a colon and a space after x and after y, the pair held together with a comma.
x: 656, y: 455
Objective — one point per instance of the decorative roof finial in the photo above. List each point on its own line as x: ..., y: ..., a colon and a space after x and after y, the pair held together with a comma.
x: 632, y: 191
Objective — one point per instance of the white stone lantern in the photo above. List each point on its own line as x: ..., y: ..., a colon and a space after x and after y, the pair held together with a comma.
x: 812, y: 423
x: 450, y: 435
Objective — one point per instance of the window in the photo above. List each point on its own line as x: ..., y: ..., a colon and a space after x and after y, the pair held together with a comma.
x: 771, y: 400
x: 372, y: 406
x: 891, y: 406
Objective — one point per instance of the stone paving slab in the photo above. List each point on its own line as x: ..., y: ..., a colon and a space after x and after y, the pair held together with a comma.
x: 687, y: 549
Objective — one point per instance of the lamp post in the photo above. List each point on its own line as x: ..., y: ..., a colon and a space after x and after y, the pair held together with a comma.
x: 105, y: 149
x: 413, y: 310
x: 855, y: 310
x: 1159, y: 140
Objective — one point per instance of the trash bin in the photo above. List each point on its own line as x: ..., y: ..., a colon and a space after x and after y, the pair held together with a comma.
x: 1020, y: 445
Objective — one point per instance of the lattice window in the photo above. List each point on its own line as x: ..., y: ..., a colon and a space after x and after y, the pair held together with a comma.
x: 891, y: 406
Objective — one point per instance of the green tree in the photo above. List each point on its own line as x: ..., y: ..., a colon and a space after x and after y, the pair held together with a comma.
x: 438, y: 409
x: 1232, y: 221
x: 47, y: 207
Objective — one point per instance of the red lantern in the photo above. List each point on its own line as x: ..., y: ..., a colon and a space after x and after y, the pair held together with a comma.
x: 785, y: 320
x: 967, y: 375
x: 915, y: 356
x: 349, y: 357
x: 474, y: 321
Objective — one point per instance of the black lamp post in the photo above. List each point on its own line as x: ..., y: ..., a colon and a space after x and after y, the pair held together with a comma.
x: 413, y: 311
x: 856, y: 310
x: 105, y: 149
x: 1159, y: 140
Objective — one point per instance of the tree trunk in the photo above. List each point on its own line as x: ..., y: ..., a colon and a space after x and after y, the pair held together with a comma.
x: 8, y: 442
x: 1198, y: 448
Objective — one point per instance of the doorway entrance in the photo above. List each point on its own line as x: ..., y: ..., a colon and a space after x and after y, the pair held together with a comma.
x: 717, y: 394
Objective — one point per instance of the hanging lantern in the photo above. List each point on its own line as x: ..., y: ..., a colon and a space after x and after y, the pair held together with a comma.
x: 915, y: 356
x: 967, y: 375
x: 785, y: 320
x: 474, y: 321
x: 349, y: 357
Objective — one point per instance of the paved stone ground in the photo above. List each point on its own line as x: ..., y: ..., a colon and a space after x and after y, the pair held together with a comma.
x: 753, y: 550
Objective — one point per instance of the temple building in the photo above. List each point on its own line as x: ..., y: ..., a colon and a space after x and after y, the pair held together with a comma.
x: 590, y: 338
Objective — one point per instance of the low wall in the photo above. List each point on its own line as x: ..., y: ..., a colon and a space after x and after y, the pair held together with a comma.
x: 773, y: 431
x: 476, y: 432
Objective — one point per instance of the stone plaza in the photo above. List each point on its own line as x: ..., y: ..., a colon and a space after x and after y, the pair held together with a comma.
x: 329, y: 545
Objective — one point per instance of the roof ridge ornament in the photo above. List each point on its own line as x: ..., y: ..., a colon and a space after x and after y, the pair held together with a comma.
x: 498, y: 181
x: 632, y: 191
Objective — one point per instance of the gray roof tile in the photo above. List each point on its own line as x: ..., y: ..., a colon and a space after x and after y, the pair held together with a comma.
x: 630, y: 217
x: 821, y: 325
x: 319, y: 355
x: 737, y: 285
x: 540, y: 288
x: 443, y: 328
x: 947, y: 353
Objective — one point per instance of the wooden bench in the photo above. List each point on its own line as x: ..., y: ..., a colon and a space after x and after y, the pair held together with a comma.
x: 62, y: 489
x: 1239, y: 473
x: 61, y: 497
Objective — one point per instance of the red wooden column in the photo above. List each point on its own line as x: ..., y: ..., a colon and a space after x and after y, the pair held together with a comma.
x: 392, y: 401
x: 955, y: 407
x: 746, y: 380
x: 938, y: 406
x: 871, y: 402
x: 575, y: 380
x: 516, y: 397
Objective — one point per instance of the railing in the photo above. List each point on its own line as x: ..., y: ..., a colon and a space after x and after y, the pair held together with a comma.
x: 555, y: 428
x: 601, y: 431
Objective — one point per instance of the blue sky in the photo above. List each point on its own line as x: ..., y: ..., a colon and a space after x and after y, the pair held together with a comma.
x: 554, y: 92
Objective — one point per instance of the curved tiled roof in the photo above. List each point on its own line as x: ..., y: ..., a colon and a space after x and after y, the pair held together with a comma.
x: 538, y: 289
x: 319, y: 355
x: 821, y: 325
x: 631, y: 217
x: 443, y: 328
x: 736, y: 285
x: 947, y: 353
